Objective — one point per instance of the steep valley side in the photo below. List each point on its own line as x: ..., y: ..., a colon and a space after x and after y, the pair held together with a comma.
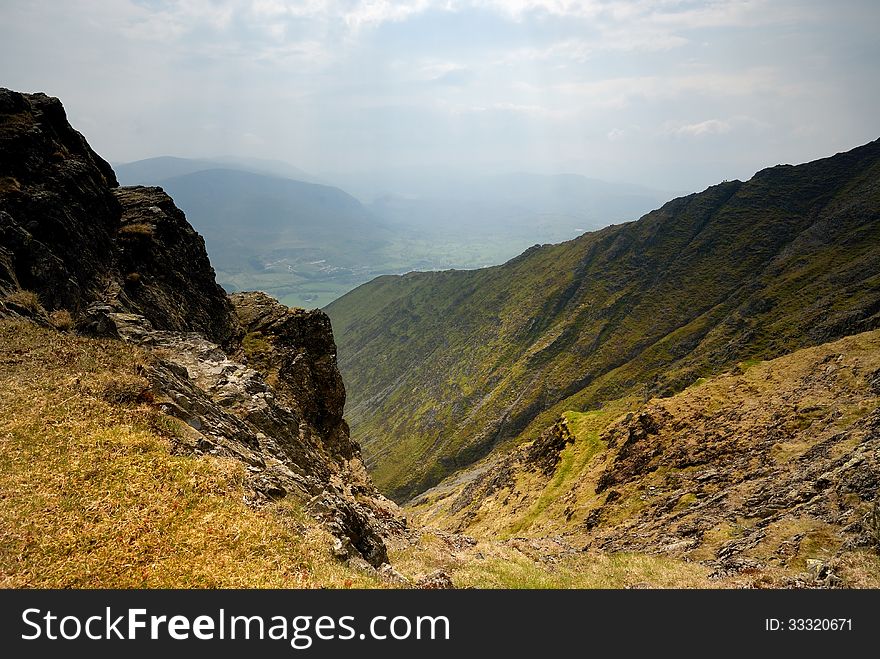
x: 443, y: 367
x: 768, y: 473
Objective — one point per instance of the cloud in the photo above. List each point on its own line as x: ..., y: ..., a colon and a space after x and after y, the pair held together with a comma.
x: 745, y: 126
x: 439, y: 71
x: 458, y: 81
x: 624, y: 91
x: 702, y: 128
x: 579, y: 51
x: 376, y: 12
x: 519, y: 9
x: 671, y: 14
x: 634, y: 26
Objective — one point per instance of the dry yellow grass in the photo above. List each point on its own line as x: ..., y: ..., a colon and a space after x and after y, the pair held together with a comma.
x: 26, y: 300
x: 492, y: 564
x: 137, y: 230
x: 91, y: 496
x: 61, y: 320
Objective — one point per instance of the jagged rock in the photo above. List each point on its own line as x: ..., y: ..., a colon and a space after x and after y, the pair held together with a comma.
x: 817, y: 568
x: 164, y: 271
x: 342, y: 549
x: 57, y: 212
x: 392, y: 576
x: 96, y: 321
x: 733, y: 566
x: 346, y: 517
x: 543, y: 453
x: 437, y: 580
x: 72, y: 236
x: 593, y: 519
x: 498, y: 477
x: 294, y: 348
x: 541, y: 456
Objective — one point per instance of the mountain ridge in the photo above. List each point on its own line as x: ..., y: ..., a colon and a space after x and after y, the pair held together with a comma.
x: 150, y: 171
x: 705, y: 280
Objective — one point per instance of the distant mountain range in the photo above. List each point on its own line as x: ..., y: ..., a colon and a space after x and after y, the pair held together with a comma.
x: 152, y: 171
x: 271, y: 226
x: 304, y: 243
x: 442, y: 367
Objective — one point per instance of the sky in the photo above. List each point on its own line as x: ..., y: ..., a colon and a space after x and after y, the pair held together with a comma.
x: 673, y: 94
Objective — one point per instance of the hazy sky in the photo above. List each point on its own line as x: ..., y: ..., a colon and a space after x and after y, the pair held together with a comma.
x: 671, y: 93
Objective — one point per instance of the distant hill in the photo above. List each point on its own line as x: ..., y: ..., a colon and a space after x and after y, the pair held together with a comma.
x: 442, y: 367
x: 307, y: 243
x: 151, y: 171
x: 292, y: 239
x: 252, y: 220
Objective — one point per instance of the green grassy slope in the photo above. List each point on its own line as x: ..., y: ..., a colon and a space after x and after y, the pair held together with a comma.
x: 442, y: 367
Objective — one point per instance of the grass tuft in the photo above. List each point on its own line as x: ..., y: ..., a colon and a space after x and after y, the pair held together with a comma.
x: 61, y: 320
x: 137, y: 230
x: 26, y: 300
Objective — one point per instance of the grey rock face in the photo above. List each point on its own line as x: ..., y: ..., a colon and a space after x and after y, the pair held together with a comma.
x: 231, y: 411
x: 72, y: 236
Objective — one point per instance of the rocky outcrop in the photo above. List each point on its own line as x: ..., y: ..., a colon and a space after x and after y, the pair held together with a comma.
x: 230, y: 410
x: 57, y: 212
x: 541, y: 456
x: 248, y: 378
x: 70, y: 235
x: 164, y: 271
x: 296, y: 351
